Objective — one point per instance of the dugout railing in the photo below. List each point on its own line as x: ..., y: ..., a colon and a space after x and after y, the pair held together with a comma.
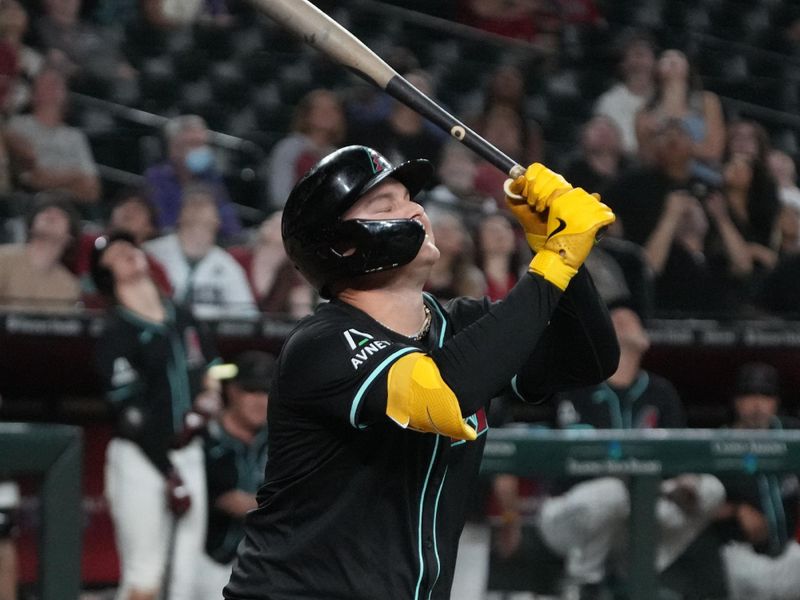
x: 54, y: 453
x: 642, y: 458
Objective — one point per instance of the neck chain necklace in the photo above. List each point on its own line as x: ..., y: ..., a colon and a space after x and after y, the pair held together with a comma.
x: 423, y: 331
x: 426, y: 325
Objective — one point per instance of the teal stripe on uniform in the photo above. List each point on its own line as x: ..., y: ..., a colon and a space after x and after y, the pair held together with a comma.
x: 421, y: 506
x: 435, y: 541
x: 364, y: 386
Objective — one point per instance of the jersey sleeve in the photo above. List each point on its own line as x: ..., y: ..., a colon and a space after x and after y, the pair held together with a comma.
x: 336, y: 373
x: 220, y: 473
x: 578, y: 348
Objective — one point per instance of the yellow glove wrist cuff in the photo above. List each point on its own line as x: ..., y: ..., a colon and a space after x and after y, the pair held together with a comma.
x: 552, y: 267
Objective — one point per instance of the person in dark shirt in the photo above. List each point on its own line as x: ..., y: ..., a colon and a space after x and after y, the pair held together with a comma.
x: 760, y: 516
x: 235, y: 447
x: 377, y: 415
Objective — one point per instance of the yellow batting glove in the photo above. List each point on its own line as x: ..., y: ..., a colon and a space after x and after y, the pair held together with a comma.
x: 539, y: 186
x: 574, y: 220
x: 534, y: 224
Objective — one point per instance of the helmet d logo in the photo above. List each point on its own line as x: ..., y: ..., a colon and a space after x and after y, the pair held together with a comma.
x: 377, y: 165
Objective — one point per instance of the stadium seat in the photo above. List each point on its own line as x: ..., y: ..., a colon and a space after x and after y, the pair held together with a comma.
x: 228, y: 84
x: 191, y: 64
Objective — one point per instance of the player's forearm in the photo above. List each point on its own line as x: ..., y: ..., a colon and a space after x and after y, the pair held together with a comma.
x: 478, y: 362
x: 579, y: 348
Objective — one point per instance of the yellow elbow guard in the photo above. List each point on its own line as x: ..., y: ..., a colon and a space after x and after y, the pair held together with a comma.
x: 418, y: 398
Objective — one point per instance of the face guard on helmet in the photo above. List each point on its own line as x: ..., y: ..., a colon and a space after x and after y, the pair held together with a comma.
x: 326, y: 248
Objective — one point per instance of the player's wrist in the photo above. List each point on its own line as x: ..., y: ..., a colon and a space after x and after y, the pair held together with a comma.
x: 551, y: 266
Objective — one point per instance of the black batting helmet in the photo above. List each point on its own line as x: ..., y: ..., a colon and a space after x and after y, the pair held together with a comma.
x: 315, y: 235
x: 102, y: 277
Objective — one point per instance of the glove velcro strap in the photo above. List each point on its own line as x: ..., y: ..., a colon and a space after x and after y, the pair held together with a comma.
x: 552, y: 267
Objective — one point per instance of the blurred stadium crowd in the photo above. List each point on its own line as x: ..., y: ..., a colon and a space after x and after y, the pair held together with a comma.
x: 185, y: 123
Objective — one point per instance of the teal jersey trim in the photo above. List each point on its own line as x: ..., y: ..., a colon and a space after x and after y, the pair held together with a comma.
x: 419, y: 526
x: 435, y: 537
x: 515, y: 388
x: 435, y: 305
x: 364, y: 386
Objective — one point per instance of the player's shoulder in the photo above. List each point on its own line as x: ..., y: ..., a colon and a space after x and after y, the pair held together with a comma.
x: 462, y: 311
x: 330, y: 329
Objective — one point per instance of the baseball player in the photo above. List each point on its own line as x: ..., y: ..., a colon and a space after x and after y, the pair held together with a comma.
x: 235, y: 447
x: 153, y: 359
x: 377, y: 415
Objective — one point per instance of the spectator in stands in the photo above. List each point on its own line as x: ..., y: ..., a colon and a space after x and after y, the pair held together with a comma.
x: 190, y: 159
x: 759, y: 518
x: 698, y: 270
x: 638, y: 197
x: 456, y: 171
x: 500, y: 257
x: 403, y: 135
x: 600, y: 159
x: 131, y: 213
x: 587, y: 522
x: 747, y: 139
x: 318, y: 127
x: 77, y: 48
x: 679, y: 95
x: 507, y: 129
x: 170, y: 14
x: 46, y: 153
x: 455, y: 273
x: 277, y: 286
x: 9, y: 505
x: 153, y: 360
x: 622, y: 101
x: 753, y: 204
x: 236, y: 456
x: 27, y: 62
x: 204, y: 276
x: 33, y: 275
x: 784, y: 171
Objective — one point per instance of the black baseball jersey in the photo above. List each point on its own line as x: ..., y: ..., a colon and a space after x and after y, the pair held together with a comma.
x: 650, y: 401
x: 152, y: 372
x: 355, y: 507
x: 774, y: 495
x: 231, y: 464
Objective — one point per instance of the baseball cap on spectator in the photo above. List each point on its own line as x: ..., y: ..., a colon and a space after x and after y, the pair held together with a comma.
x: 757, y: 379
x: 252, y: 371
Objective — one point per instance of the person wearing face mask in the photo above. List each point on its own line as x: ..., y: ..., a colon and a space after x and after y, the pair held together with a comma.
x: 190, y: 159
x: 204, y: 276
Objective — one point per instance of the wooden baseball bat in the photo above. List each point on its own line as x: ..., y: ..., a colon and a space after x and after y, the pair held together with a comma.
x: 326, y: 35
